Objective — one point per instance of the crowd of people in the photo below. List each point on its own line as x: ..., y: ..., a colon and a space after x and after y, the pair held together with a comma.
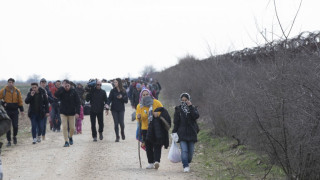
x: 63, y: 101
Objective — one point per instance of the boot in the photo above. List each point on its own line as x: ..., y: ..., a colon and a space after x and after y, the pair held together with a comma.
x: 123, y: 136
x: 100, y: 136
x: 117, y: 139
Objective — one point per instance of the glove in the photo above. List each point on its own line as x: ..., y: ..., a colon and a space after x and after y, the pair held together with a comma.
x: 175, y: 137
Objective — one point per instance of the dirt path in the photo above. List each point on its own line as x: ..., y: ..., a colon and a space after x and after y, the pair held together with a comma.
x: 86, y: 159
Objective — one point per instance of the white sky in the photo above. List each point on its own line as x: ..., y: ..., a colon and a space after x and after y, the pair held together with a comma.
x: 83, y: 39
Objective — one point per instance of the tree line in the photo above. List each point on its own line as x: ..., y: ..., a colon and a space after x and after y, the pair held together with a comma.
x: 266, y: 97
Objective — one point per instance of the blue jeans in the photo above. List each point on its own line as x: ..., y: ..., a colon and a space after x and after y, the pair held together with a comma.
x: 55, y: 116
x: 44, y: 126
x: 36, y: 123
x: 187, y: 148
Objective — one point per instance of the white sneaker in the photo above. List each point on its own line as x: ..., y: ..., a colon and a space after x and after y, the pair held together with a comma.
x: 150, y: 166
x: 34, y: 141
x: 186, y: 169
x: 156, y: 165
x: 39, y: 139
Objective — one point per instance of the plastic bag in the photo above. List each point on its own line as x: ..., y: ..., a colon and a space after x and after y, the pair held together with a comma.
x: 174, y: 153
x: 175, y: 137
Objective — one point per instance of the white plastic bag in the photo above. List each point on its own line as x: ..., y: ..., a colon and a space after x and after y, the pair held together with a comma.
x: 175, y: 137
x: 174, y: 153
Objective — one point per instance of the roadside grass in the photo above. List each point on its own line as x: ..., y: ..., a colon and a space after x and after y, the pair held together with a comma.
x: 216, y: 158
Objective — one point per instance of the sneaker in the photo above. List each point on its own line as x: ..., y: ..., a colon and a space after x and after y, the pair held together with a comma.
x: 156, y: 165
x: 43, y: 138
x: 70, y: 141
x: 100, y: 136
x: 9, y: 143
x: 186, y: 169
x: 34, y: 141
x: 66, y: 144
x: 150, y: 166
x: 14, y: 140
x: 94, y: 139
x: 39, y: 139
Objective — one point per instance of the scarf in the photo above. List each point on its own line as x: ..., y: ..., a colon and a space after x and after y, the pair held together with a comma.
x: 147, y: 101
x: 185, y: 107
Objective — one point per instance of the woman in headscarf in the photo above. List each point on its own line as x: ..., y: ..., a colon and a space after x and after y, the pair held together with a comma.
x: 145, y: 114
x: 185, y: 125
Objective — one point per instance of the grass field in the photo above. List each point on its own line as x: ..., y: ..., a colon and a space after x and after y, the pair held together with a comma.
x: 215, y: 158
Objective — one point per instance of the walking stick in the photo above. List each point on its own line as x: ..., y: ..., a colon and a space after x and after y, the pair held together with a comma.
x: 139, y: 144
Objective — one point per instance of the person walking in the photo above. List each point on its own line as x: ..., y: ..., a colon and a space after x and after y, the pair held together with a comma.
x: 185, y: 125
x: 69, y: 110
x: 144, y: 114
x: 98, y: 100
x: 55, y: 117
x: 43, y: 85
x: 118, y: 97
x: 136, y: 95
x: 38, y: 110
x: 12, y: 101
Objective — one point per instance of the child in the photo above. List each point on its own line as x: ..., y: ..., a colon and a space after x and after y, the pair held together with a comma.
x: 79, y: 121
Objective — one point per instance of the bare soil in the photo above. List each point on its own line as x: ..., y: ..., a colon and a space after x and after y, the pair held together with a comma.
x: 86, y: 159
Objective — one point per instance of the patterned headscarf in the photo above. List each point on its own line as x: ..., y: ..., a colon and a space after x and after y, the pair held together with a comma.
x: 184, y: 105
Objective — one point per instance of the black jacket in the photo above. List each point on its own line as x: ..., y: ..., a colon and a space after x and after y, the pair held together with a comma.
x: 69, y: 101
x: 157, y: 134
x: 117, y: 104
x: 50, y: 97
x: 43, y: 104
x: 186, y: 126
x: 97, y: 98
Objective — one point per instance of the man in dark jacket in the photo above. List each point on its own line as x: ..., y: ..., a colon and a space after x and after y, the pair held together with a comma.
x: 43, y: 85
x: 69, y: 109
x: 55, y: 117
x: 98, y: 100
x: 38, y: 110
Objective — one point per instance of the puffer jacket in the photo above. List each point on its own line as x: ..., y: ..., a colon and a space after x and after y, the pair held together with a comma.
x: 186, y: 125
x: 12, y: 99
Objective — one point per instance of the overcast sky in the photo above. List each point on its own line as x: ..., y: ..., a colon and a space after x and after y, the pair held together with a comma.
x: 83, y: 39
